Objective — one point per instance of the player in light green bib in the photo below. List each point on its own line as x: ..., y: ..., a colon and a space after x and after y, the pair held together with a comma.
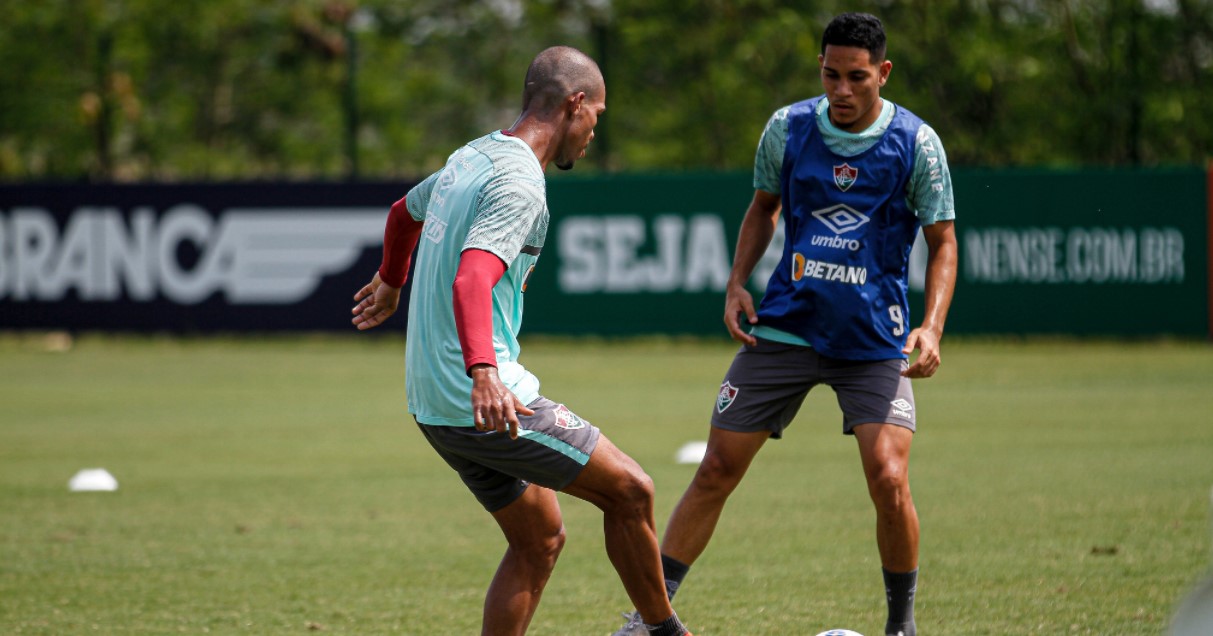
x: 479, y: 227
x: 490, y: 197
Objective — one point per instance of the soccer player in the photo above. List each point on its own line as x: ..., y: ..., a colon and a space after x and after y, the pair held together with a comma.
x: 855, y: 176
x: 481, y: 223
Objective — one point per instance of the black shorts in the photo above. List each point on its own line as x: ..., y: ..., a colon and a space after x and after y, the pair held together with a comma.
x: 552, y: 448
x: 767, y: 383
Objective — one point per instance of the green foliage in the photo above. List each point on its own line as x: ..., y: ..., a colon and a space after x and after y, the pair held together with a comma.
x: 245, y: 89
x: 277, y: 486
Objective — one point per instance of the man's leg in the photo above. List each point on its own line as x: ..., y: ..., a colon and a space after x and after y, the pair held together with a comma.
x: 617, y: 485
x: 694, y: 519
x: 534, y: 531
x: 885, y: 451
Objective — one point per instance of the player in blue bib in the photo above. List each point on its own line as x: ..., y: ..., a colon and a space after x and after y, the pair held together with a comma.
x: 855, y: 177
x: 841, y: 283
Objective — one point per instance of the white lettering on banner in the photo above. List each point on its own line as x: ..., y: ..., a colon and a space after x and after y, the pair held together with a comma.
x: 624, y: 271
x: 708, y: 261
x: 1051, y: 255
x: 187, y: 223
x: 252, y: 255
x: 33, y: 239
x: 603, y: 254
x: 127, y: 258
x: 582, y: 263
x: 665, y: 273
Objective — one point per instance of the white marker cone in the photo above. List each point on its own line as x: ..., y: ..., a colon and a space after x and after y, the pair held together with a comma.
x: 92, y: 480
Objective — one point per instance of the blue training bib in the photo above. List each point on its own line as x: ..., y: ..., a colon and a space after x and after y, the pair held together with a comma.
x: 841, y: 283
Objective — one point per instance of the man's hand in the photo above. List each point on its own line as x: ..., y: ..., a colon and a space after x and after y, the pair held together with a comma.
x: 927, y: 343
x: 941, y: 281
x: 376, y: 302
x: 737, y: 301
x: 494, y: 407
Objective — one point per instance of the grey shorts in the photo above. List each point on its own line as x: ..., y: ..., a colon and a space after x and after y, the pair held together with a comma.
x: 553, y: 446
x: 767, y: 383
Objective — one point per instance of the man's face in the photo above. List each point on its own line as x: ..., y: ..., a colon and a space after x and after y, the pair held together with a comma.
x: 581, y: 130
x: 852, y: 83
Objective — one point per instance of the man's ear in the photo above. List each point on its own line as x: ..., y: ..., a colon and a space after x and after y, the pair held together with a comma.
x: 574, y: 102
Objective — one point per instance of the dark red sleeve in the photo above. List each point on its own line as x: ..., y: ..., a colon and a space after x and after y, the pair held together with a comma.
x: 399, y: 238
x: 478, y: 272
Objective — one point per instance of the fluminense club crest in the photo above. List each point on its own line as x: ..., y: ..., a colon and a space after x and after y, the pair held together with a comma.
x: 845, y: 176
x: 725, y: 398
x: 567, y: 419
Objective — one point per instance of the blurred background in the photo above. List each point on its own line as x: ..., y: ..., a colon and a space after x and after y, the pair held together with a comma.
x: 136, y: 90
x: 228, y: 164
x: 224, y: 168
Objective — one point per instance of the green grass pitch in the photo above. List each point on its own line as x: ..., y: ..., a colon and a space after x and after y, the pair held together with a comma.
x: 277, y: 486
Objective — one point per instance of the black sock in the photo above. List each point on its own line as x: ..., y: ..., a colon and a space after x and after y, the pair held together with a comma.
x: 669, y: 627
x: 899, y: 589
x: 675, y: 571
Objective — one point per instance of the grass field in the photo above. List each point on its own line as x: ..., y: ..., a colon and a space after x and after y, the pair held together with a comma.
x: 277, y: 486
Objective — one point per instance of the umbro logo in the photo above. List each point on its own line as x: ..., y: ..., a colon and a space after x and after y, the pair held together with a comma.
x: 841, y: 218
x: 447, y: 178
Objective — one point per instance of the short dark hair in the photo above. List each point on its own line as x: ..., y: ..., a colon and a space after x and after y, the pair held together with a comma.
x: 556, y: 73
x: 862, y: 30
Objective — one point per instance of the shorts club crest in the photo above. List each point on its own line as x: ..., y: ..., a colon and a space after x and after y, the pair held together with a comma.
x: 567, y: 419
x: 725, y: 398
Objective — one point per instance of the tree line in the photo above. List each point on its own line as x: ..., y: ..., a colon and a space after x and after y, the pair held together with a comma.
x: 196, y: 90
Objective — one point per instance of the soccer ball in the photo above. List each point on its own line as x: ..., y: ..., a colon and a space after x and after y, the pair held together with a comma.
x: 839, y: 632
